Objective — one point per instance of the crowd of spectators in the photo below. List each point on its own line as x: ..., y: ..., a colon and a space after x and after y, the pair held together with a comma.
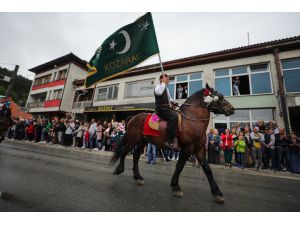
x: 265, y: 146
x: 68, y: 132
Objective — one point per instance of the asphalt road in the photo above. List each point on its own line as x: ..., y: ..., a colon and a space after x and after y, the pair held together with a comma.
x: 50, y: 179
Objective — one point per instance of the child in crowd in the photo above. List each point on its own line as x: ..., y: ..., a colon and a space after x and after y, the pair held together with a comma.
x: 240, y: 149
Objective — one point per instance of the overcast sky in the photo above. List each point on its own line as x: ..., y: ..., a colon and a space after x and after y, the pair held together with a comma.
x: 31, y: 39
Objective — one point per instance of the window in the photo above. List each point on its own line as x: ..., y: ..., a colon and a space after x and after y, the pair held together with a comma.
x: 223, y: 86
x: 42, y: 80
x: 62, y: 74
x: 56, y: 94
x: 38, y: 81
x: 184, y: 85
x: 46, y: 79
x: 107, y: 93
x: 291, y: 74
x: 49, y: 95
x: 55, y: 76
x: 244, y: 117
x: 245, y: 80
x: 141, y: 88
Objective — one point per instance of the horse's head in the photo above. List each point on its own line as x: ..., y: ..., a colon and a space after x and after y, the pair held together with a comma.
x: 215, y: 102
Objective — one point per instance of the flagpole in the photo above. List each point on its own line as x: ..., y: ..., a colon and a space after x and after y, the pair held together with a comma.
x: 161, y: 66
x: 162, y: 70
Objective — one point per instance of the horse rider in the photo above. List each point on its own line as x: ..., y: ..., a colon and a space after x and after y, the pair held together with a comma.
x: 5, y: 103
x: 164, y: 108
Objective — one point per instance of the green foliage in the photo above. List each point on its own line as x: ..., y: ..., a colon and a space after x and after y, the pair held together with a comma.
x: 20, y: 88
x: 2, y: 90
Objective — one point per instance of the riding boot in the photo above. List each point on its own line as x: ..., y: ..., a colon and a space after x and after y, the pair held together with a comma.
x: 173, y: 145
x: 169, y: 144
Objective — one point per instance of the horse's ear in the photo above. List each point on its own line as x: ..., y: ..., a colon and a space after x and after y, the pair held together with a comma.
x: 207, y: 86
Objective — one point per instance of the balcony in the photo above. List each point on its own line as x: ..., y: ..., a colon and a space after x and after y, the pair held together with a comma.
x: 82, y: 105
x: 49, y: 84
x: 52, y: 103
x: 35, y: 105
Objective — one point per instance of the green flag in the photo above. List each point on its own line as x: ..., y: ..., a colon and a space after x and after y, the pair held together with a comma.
x: 124, y: 49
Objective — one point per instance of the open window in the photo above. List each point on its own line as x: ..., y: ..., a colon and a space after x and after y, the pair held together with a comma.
x: 240, y: 85
x: 182, y: 90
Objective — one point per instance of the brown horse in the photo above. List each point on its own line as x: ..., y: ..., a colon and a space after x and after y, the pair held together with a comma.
x: 5, y: 121
x: 195, y: 113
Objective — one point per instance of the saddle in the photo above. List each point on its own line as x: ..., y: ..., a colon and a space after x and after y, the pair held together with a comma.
x: 154, y: 121
x: 154, y: 125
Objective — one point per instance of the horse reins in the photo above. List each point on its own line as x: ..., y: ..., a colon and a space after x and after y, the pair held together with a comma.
x: 185, y: 116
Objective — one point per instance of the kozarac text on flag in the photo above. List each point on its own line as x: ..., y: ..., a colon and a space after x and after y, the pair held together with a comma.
x: 124, y: 49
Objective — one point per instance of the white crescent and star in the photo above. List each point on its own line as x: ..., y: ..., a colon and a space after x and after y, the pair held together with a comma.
x: 127, y: 44
x: 112, y: 45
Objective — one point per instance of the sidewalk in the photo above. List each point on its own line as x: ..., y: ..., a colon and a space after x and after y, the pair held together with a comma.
x: 268, y: 173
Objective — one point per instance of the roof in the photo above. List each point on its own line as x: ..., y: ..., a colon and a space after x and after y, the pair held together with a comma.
x: 59, y: 62
x: 16, y: 111
x: 228, y: 54
x: 239, y: 52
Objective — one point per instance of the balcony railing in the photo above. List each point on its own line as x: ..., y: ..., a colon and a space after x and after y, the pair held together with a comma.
x: 82, y: 105
x: 35, y: 104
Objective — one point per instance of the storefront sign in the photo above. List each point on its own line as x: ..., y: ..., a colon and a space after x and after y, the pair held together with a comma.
x: 110, y: 108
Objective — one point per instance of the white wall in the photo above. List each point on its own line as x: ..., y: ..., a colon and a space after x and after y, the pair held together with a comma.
x: 74, y: 72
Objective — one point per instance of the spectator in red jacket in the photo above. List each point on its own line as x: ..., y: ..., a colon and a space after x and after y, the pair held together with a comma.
x: 30, y: 131
x: 227, y: 144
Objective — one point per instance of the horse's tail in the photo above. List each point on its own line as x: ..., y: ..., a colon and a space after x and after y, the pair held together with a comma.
x: 119, y: 148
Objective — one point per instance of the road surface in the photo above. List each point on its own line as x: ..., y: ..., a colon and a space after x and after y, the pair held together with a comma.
x: 44, y: 178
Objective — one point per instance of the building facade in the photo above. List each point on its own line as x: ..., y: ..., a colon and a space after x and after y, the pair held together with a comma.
x: 261, y: 81
x: 52, y: 90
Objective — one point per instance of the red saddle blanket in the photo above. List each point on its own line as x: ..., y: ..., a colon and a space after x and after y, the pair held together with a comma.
x: 148, y: 130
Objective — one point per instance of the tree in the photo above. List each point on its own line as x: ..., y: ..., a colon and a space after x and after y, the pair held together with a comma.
x: 20, y: 88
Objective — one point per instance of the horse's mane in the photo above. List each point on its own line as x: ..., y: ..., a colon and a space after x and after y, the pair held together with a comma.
x: 196, y: 98
x: 198, y: 95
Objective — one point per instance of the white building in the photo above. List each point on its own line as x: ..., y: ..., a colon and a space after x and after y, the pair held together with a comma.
x: 52, y: 92
x: 269, y: 87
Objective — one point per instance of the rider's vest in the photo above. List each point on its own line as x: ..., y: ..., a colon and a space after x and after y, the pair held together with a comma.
x: 162, y: 100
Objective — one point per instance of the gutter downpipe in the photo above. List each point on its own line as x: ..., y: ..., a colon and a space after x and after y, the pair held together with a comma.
x: 281, y: 91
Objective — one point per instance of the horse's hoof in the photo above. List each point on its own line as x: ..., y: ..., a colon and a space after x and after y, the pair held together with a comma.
x: 219, y: 199
x: 118, y: 171
x: 140, y: 182
x: 178, y: 194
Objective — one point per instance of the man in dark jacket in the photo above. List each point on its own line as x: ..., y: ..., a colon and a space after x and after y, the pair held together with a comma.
x: 282, y: 144
x: 164, y: 105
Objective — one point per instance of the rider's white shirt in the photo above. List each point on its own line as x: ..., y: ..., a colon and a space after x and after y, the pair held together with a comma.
x: 159, y: 90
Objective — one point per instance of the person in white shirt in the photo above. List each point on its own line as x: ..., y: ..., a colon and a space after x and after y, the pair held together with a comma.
x: 92, y: 132
x: 69, y: 132
x: 164, y: 104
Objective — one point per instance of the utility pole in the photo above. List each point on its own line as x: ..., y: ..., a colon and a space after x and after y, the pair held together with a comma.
x: 248, y: 36
x: 12, y: 81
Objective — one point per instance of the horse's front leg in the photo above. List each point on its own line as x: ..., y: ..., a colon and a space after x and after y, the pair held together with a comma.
x: 136, y: 157
x: 183, y: 156
x: 208, y: 172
